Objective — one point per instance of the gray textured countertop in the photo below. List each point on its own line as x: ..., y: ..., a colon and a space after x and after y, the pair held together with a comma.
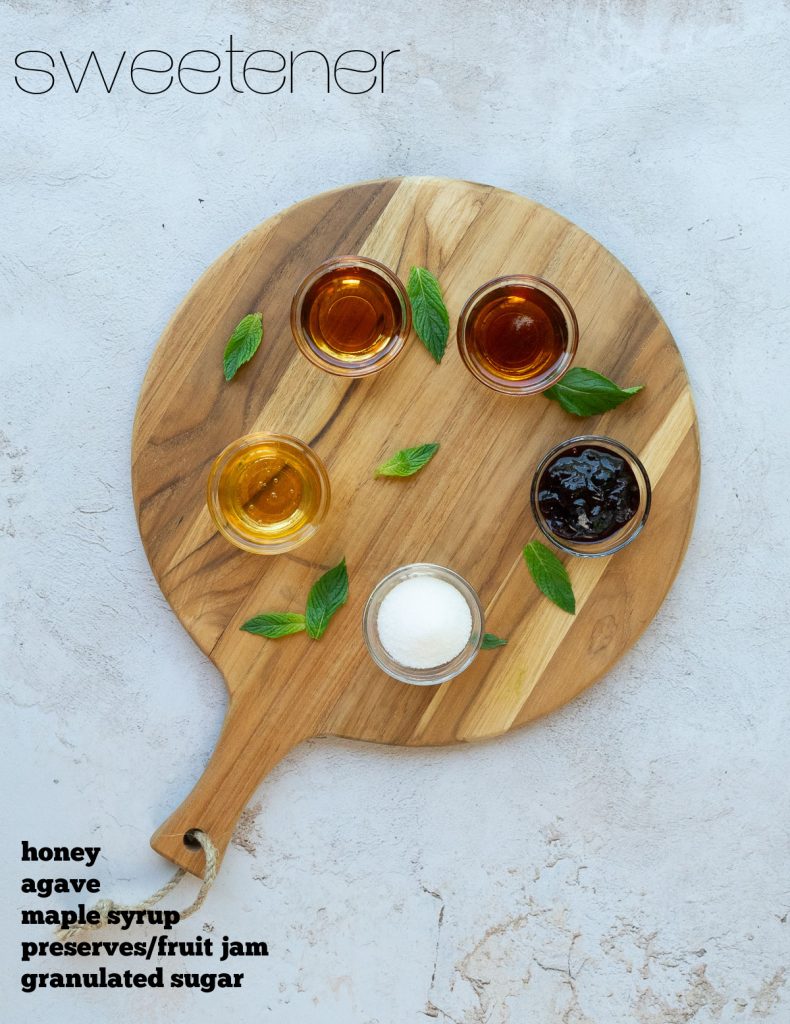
x: 624, y: 860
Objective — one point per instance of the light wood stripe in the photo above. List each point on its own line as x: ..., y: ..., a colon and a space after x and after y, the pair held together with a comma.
x: 662, y: 447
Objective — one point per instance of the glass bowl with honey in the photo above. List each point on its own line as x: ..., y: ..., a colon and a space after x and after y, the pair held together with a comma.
x: 518, y: 334
x: 267, y: 493
x: 591, y: 496
x: 351, y: 316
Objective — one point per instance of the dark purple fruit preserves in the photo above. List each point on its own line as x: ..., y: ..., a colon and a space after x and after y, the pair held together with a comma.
x: 587, y: 494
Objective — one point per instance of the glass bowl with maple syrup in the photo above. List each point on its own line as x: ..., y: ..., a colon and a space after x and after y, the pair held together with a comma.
x: 518, y: 334
x: 267, y: 493
x: 351, y: 316
x: 591, y: 496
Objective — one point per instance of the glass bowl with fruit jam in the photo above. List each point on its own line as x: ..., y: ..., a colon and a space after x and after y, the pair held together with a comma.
x: 351, y: 316
x: 591, y: 496
x: 267, y: 493
x: 518, y: 334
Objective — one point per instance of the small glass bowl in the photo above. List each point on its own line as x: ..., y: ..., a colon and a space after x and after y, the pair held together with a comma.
x: 315, y: 482
x: 422, y: 676
x: 380, y: 285
x: 628, y: 531
x: 556, y: 304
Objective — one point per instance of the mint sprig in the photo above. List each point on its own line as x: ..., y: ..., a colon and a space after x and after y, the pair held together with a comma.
x: 275, y: 624
x: 408, y: 461
x: 327, y: 594
x: 491, y: 640
x: 550, y: 576
x: 584, y: 392
x: 431, y: 319
x: 243, y: 343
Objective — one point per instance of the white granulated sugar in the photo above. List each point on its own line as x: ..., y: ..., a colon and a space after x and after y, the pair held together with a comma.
x: 424, y: 622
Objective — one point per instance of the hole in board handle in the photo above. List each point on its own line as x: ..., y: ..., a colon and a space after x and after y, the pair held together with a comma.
x: 190, y: 841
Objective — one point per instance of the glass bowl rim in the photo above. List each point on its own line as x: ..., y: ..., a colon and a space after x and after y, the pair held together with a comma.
x: 440, y: 673
x: 383, y: 358
x: 522, y: 388
x: 632, y: 529
x: 293, y: 540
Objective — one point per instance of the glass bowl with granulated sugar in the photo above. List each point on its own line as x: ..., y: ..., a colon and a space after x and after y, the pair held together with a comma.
x: 423, y: 624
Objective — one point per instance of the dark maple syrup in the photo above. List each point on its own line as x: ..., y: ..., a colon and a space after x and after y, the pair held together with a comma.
x: 351, y: 313
x: 517, y: 333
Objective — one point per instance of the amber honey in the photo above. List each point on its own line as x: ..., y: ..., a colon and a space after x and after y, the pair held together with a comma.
x: 350, y: 316
x: 517, y: 334
x: 267, y: 492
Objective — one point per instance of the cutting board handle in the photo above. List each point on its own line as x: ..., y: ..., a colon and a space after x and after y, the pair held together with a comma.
x: 247, y: 749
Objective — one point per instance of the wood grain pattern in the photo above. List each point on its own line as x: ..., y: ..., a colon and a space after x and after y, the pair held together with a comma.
x: 469, y: 509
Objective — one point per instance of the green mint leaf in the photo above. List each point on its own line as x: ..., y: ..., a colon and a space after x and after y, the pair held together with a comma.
x: 431, y: 319
x: 586, y: 393
x: 491, y: 640
x: 550, y: 575
x: 243, y: 343
x: 327, y: 594
x: 408, y: 461
x: 275, y: 624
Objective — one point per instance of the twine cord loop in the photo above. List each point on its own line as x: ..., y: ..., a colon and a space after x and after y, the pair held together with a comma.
x: 104, y: 906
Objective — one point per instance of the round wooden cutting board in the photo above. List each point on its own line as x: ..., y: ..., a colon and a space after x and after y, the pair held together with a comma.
x: 469, y: 509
